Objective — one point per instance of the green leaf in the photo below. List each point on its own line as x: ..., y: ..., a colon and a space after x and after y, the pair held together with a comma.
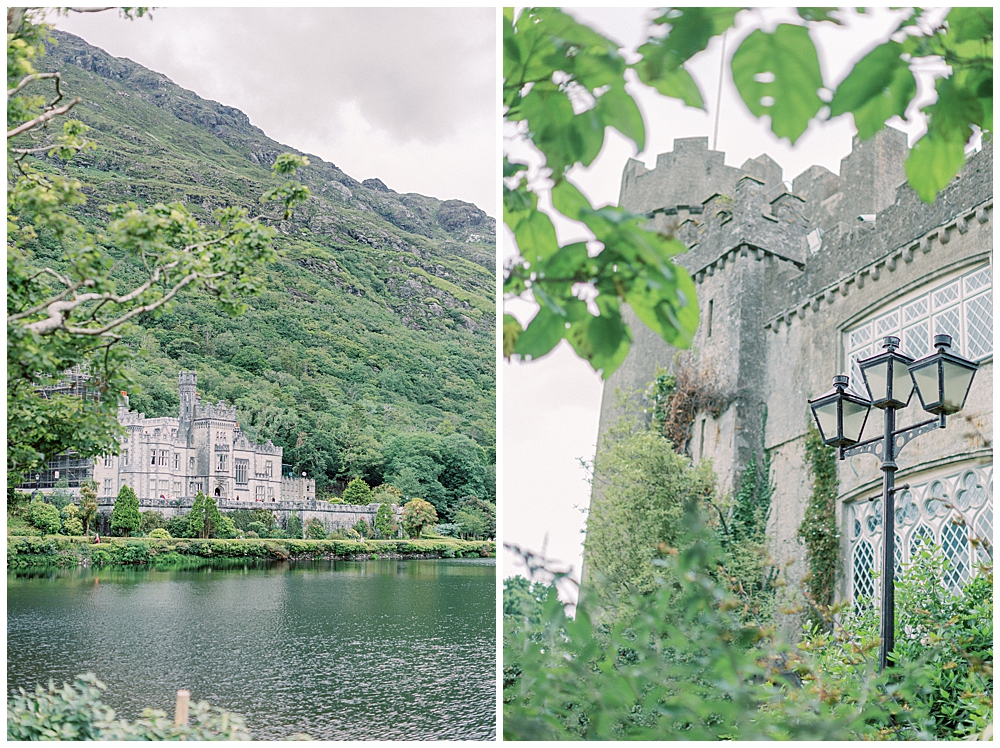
x: 691, y: 29
x: 878, y: 87
x: 571, y: 261
x: 511, y: 332
x: 568, y: 200
x: 784, y: 67
x: 536, y: 237
x: 677, y: 84
x: 541, y: 335
x: 965, y: 24
x: 617, y: 109
x: 933, y: 163
x: 817, y: 14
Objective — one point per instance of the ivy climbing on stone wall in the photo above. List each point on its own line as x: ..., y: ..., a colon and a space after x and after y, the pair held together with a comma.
x: 819, y: 526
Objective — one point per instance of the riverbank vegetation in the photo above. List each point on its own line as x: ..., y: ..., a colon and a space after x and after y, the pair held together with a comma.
x: 57, y: 550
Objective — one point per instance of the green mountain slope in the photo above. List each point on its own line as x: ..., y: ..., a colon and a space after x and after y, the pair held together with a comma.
x: 370, y: 352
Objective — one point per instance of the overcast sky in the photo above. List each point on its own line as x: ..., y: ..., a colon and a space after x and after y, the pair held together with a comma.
x: 407, y: 95
x: 551, y: 405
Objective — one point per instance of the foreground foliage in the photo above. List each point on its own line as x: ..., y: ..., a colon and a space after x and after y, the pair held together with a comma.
x: 75, y: 712
x: 564, y: 86
x: 683, y: 664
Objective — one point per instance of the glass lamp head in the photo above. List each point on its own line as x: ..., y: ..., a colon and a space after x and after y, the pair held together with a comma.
x: 840, y: 414
x: 943, y: 379
x: 887, y: 376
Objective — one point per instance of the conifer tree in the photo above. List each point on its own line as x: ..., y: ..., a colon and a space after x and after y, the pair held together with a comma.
x: 196, y: 519
x: 88, y: 504
x: 385, y: 520
x: 357, y: 492
x: 125, y: 517
x: 213, y: 519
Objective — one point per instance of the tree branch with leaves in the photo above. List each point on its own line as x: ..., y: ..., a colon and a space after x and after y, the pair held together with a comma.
x: 68, y: 310
x: 564, y: 85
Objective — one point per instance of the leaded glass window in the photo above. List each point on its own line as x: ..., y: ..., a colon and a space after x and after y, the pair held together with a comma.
x: 961, y: 307
x: 954, y: 511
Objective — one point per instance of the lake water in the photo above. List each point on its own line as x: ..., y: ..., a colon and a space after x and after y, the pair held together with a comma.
x: 338, y: 650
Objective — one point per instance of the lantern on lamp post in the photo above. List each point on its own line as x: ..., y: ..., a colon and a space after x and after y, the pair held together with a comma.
x: 942, y: 381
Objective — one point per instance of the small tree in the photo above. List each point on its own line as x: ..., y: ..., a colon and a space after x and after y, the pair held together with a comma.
x: 294, y: 526
x: 60, y: 494
x: 416, y: 514
x: 472, y: 522
x: 362, y: 528
x: 125, y: 518
x: 179, y: 527
x: 196, y: 519
x: 88, y: 504
x: 357, y: 492
x: 385, y: 520
x: 44, y: 516
x: 213, y: 520
x: 71, y: 524
x: 315, y: 529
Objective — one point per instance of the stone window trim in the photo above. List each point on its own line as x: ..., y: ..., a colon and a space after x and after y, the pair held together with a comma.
x: 958, y: 302
x: 921, y: 515
x: 242, y: 471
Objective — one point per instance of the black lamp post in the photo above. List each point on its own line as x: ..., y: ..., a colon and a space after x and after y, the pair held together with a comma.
x: 942, y: 381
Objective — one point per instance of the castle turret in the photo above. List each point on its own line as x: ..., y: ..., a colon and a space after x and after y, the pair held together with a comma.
x: 187, y: 382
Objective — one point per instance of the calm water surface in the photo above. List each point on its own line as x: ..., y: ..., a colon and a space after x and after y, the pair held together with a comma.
x: 339, y: 650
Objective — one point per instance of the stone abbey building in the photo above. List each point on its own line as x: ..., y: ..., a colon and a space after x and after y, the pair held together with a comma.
x: 202, y: 449
x: 796, y: 285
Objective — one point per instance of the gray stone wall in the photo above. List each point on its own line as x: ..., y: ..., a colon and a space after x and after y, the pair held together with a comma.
x: 333, y: 516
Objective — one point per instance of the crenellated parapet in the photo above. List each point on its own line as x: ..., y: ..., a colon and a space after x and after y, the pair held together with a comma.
x: 219, y: 412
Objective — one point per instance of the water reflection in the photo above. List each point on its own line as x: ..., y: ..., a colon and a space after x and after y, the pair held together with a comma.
x: 385, y: 649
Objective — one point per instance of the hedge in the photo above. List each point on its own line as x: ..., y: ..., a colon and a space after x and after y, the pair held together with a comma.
x: 57, y: 550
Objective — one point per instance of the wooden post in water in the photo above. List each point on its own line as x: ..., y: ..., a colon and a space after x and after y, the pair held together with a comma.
x: 181, y: 711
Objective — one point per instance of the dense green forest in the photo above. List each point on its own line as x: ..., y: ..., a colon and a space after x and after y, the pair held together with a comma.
x: 370, y: 353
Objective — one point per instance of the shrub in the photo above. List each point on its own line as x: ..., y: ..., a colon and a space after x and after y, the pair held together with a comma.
x: 125, y: 518
x: 362, y: 528
x: 152, y: 520
x: 294, y: 526
x: 357, y: 492
x: 257, y: 528
x: 178, y: 526
x: 75, y: 712
x: 159, y: 532
x: 44, y: 516
x: 71, y: 524
x: 252, y: 534
x: 315, y: 529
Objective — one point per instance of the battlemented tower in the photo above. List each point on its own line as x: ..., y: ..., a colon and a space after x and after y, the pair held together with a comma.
x: 795, y: 284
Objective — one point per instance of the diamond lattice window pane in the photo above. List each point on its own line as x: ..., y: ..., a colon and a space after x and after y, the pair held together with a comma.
x: 916, y: 310
x: 955, y: 544
x: 979, y: 323
x: 977, y: 280
x: 945, y: 296
x: 948, y: 322
x: 916, y: 340
x: 897, y: 555
x: 887, y: 324
x: 861, y: 567
x: 857, y: 383
x: 859, y: 337
x: 984, y: 533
